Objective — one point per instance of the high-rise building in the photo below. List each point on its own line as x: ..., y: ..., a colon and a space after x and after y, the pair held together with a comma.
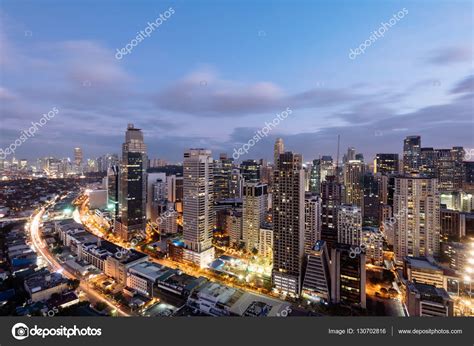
x: 255, y: 203
x: 449, y: 169
x: 349, y: 225
x: 312, y: 221
x: 387, y: 164
x: 375, y: 193
x: 348, y: 276
x: 288, y: 223
x: 416, y: 209
x: 250, y: 170
x: 278, y: 149
x: 317, y: 277
x: 133, y: 184
x: 198, y: 213
x: 222, y: 177
x: 411, y: 154
x: 353, y: 182
x: 113, y: 180
x: 332, y: 193
x: 78, y: 159
x: 322, y: 168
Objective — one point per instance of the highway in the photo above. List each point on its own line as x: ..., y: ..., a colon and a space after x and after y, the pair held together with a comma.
x: 43, y: 250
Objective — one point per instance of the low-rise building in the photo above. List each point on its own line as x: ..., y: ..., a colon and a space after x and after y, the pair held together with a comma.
x: 428, y: 300
x: 41, y: 285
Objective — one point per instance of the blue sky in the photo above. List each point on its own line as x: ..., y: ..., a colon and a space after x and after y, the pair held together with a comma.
x: 215, y: 71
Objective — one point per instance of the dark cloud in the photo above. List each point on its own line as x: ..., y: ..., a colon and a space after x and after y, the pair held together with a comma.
x: 449, y: 55
x: 464, y: 86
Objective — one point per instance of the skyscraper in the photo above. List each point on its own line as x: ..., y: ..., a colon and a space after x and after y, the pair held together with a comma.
x: 386, y: 164
x: 353, y: 182
x: 113, y: 190
x: 198, y: 213
x: 255, y: 203
x: 416, y: 209
x: 288, y: 223
x: 411, y: 154
x: 222, y: 177
x: 349, y: 225
x: 317, y: 278
x: 78, y: 160
x: 250, y: 171
x: 321, y: 169
x: 332, y: 193
x: 278, y: 150
x: 312, y: 221
x: 132, y: 185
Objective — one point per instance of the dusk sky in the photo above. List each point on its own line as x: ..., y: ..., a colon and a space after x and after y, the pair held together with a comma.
x: 215, y: 71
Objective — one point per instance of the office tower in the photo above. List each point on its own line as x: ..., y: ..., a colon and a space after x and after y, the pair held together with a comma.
x: 375, y: 193
x: 288, y: 223
x: 387, y: 164
x: 155, y: 192
x: 78, y: 160
x: 250, y: 170
x: 317, y: 278
x: 332, y: 193
x: 312, y: 221
x: 351, y: 155
x: 349, y: 225
x: 266, y: 172
x: 254, y: 208
x: 416, y: 208
x: 104, y: 162
x: 322, y: 168
x: 222, y: 177
x: 428, y: 158
x: 133, y: 184
x: 453, y: 224
x: 113, y: 179
x: 278, y: 149
x: 236, y: 184
x: 449, y: 169
x: 308, y: 168
x: 198, y: 213
x: 353, y: 182
x: 348, y: 276
x: 411, y: 154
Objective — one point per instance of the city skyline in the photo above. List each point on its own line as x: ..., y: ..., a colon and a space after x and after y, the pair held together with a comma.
x: 197, y: 95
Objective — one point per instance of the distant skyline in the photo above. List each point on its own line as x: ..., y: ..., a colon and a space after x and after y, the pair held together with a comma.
x: 214, y: 73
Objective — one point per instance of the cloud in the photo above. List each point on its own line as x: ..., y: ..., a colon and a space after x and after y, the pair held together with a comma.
x: 464, y: 86
x: 449, y: 55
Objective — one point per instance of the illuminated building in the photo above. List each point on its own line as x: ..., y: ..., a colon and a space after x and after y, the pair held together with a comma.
x: 322, y: 168
x: 265, y: 245
x: 222, y: 177
x: 349, y: 225
x: 386, y: 164
x: 255, y: 204
x: 331, y: 198
x: 317, y: 278
x: 278, y: 149
x: 453, y: 224
x: 372, y: 239
x: 411, y: 154
x: 416, y: 209
x: 428, y: 300
x: 133, y: 186
x: 198, y: 213
x: 353, y: 182
x: 423, y: 270
x: 250, y: 171
x: 312, y: 221
x: 78, y: 160
x: 288, y: 223
x: 113, y: 190
x: 348, y: 276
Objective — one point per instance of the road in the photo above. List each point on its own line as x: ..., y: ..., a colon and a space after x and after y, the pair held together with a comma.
x: 43, y: 250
